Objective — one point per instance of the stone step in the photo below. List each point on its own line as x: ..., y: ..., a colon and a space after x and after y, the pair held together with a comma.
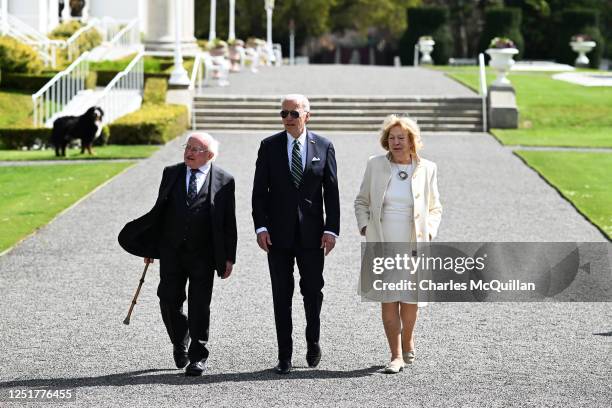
x: 374, y: 120
x: 340, y: 98
x: 336, y: 127
x: 390, y: 106
x: 381, y: 113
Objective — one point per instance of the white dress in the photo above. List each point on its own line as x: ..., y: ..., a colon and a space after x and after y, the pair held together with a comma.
x: 398, y: 229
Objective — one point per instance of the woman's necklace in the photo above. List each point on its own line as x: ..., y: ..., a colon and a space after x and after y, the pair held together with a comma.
x: 403, y: 175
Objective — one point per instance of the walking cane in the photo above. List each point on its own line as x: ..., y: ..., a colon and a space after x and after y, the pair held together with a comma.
x: 142, y: 279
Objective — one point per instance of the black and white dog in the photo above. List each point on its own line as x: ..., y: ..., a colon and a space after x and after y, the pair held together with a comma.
x: 86, y: 127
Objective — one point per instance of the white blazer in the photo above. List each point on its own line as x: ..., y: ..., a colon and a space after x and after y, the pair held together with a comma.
x: 369, y: 201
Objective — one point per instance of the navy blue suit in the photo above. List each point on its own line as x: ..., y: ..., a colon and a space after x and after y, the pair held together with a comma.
x: 296, y: 218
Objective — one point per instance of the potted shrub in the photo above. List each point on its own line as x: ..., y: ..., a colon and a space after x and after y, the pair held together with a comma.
x: 217, y: 48
x: 426, y: 46
x: 582, y: 44
x: 501, y: 50
x: 236, y: 49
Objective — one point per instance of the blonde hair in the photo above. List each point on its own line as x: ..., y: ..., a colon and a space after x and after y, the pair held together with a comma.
x: 407, y: 124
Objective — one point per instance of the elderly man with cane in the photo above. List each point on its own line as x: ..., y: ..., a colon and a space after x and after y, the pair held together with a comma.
x: 192, y: 231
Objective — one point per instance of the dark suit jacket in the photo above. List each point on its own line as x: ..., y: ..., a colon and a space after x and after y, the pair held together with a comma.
x: 141, y: 237
x: 277, y: 203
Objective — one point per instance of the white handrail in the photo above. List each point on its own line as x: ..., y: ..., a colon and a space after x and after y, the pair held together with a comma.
x: 71, y: 42
x: 415, y: 59
x: 196, y: 75
x: 127, y: 36
x: 47, y: 48
x: 112, y: 100
x: 483, y: 90
x: 60, y: 89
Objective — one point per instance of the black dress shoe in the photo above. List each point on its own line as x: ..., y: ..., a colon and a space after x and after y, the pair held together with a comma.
x: 195, y: 368
x: 180, y: 357
x: 283, y: 367
x: 313, y: 355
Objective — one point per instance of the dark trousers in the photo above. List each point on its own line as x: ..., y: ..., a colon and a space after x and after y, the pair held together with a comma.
x: 310, y: 265
x: 176, y: 267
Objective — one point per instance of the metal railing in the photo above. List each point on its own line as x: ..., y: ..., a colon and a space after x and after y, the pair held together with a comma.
x: 115, y: 100
x: 71, y: 43
x: 415, y: 59
x: 196, y: 80
x: 483, y: 90
x: 14, y: 27
x: 127, y: 36
x: 55, y: 94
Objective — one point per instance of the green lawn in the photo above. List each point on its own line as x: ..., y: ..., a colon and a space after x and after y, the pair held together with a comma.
x: 585, y: 179
x: 31, y: 196
x: 15, y: 109
x: 101, y: 152
x: 551, y: 112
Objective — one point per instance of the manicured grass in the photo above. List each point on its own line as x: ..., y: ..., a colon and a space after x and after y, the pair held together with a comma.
x: 552, y: 112
x: 30, y: 196
x: 583, y: 178
x: 101, y: 152
x: 15, y: 109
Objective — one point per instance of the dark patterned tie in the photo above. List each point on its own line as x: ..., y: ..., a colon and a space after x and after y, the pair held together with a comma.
x: 296, y: 164
x: 192, y: 192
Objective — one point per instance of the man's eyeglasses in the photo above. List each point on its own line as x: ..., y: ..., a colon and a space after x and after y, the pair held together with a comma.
x: 193, y: 149
x: 294, y: 114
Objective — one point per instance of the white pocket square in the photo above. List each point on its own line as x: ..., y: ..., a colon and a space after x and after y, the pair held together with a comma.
x: 316, y: 159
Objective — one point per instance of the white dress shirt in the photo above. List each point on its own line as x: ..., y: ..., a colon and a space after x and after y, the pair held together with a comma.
x: 200, y: 176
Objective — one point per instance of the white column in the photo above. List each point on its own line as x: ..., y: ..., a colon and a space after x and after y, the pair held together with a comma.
x: 179, y: 74
x: 5, y: 26
x: 42, y: 16
x: 66, y: 11
x: 232, y: 16
x: 85, y: 11
x: 213, y: 20
x: 52, y: 18
x: 269, y: 9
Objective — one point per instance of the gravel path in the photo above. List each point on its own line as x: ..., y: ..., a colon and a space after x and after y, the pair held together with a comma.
x: 66, y: 290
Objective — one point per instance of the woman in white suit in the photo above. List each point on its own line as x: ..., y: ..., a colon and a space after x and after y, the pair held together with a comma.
x: 399, y: 202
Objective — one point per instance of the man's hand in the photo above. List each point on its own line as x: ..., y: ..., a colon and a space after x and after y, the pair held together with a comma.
x: 263, y: 240
x: 328, y: 242
x: 149, y: 260
x: 229, y: 266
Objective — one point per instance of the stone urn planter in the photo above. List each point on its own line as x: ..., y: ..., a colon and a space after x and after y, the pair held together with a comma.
x: 501, y: 61
x: 236, y: 49
x: 582, y: 48
x: 426, y: 46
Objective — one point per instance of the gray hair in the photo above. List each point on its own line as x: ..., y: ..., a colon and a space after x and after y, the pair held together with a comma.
x: 211, y: 143
x: 299, y: 98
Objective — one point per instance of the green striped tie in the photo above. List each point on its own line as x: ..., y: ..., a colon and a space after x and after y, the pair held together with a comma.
x: 296, y: 164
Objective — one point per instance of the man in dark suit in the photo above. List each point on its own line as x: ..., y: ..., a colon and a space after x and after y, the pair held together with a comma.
x: 295, y: 179
x: 192, y: 231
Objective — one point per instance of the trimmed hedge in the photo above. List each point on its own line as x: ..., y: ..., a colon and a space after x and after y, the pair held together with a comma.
x: 104, y: 77
x: 155, y: 90
x: 33, y: 82
x: 18, y: 57
x: 503, y: 22
x: 87, y: 41
x: 151, y: 124
x: 18, y: 138
x: 579, y: 21
x: 431, y: 21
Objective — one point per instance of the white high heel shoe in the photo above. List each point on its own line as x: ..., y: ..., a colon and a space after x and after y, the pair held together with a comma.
x: 408, y: 357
